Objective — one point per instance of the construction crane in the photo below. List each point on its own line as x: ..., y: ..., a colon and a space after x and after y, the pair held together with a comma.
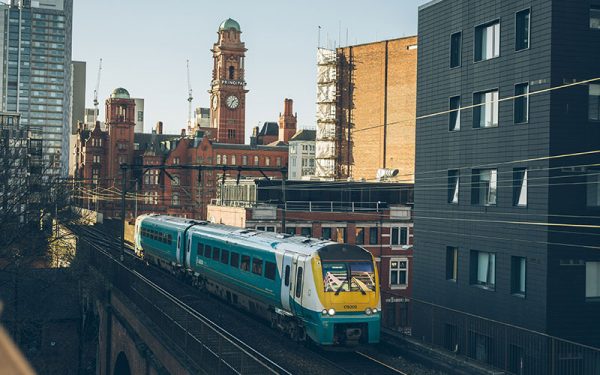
x: 190, y: 98
x: 96, y: 92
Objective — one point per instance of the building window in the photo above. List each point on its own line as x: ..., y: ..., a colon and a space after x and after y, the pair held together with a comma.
x: 518, y: 273
x: 175, y: 180
x: 453, y: 184
x: 230, y: 133
x: 373, y: 236
x: 593, y: 188
x: 594, y: 102
x: 267, y: 161
x: 454, y: 114
x: 122, y: 159
x: 244, y: 159
x: 176, y: 160
x: 232, y: 159
x: 306, y: 231
x: 483, y: 269
x: 451, y: 263
x: 522, y: 30
x: 256, y: 160
x: 95, y: 175
x: 399, y: 272
x: 484, y: 187
x: 487, y: 41
x: 231, y: 72
x: 96, y: 159
x: 485, y: 112
x: 340, y: 235
x: 278, y: 162
x: 140, y: 116
x: 175, y: 199
x: 326, y: 233
x: 290, y: 230
x: 520, y: 187
x: 592, y: 280
x: 521, y: 103
x: 218, y: 159
x: 399, y: 236
x: 360, y: 236
x: 455, y: 49
x: 595, y: 17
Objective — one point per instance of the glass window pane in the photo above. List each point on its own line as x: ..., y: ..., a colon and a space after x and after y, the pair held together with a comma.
x: 522, y: 30
x: 454, y: 116
x: 455, y: 49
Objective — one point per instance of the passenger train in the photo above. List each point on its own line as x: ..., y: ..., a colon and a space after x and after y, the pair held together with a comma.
x: 312, y: 289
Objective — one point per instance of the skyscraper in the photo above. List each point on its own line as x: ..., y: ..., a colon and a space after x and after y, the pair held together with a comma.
x: 36, y: 78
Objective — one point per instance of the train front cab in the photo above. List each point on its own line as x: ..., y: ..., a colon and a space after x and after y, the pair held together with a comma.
x: 347, y: 286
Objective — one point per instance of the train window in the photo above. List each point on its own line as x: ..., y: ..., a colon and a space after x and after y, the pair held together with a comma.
x: 235, y: 260
x: 216, y: 253
x: 270, y: 270
x: 287, y: 275
x: 224, y: 256
x: 299, y: 283
x: 257, y: 266
x: 245, y: 265
x: 207, y: 251
x: 200, y: 249
x: 170, y: 239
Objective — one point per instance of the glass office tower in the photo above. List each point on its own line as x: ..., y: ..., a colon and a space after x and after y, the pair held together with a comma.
x: 36, y: 80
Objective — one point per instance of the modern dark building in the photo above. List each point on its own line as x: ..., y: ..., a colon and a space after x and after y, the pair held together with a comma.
x: 507, y: 200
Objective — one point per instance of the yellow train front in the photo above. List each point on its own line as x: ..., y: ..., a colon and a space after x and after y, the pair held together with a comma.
x: 347, y: 290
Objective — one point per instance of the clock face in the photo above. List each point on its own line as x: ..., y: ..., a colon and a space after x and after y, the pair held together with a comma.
x: 215, y: 102
x: 232, y: 101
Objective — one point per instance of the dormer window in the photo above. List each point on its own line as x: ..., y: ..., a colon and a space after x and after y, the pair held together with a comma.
x: 231, y: 72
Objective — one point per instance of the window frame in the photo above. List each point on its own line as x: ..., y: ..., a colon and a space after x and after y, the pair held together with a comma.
x: 452, y: 272
x: 515, y: 101
x: 451, y: 112
x: 588, y: 296
x: 589, y: 117
x: 595, y: 7
x: 398, y: 270
x: 528, y: 29
x: 478, y: 106
x: 455, y: 187
x: 515, y: 276
x: 359, y: 232
x: 459, y: 49
x: 476, y: 186
x: 519, y: 185
x: 482, y: 25
x: 474, y: 270
x: 592, y: 174
x: 374, y: 240
x: 270, y: 270
x: 399, y: 229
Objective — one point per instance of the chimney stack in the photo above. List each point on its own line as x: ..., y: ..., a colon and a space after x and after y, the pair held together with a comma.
x: 287, y: 121
x: 159, y: 127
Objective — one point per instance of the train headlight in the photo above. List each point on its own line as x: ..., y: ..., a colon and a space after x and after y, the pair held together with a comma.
x: 368, y: 311
x: 375, y: 310
x: 324, y: 312
x: 331, y: 312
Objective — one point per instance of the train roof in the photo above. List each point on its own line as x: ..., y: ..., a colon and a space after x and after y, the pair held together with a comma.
x: 268, y: 241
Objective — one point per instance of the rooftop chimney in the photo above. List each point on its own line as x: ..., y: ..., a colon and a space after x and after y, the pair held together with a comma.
x: 159, y: 127
x: 287, y: 121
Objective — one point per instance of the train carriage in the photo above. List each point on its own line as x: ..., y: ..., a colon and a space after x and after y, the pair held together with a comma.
x: 310, y: 288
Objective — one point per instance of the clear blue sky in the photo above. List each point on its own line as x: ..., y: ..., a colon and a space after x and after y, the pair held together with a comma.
x: 144, y: 46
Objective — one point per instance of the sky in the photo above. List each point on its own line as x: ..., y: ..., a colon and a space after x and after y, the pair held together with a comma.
x: 144, y: 46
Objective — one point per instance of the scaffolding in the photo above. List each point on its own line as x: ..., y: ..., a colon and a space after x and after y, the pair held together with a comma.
x: 325, y: 150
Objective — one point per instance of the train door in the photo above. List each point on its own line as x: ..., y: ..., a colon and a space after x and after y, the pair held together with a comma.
x: 297, y: 284
x: 178, y: 249
x: 188, y: 253
x: 286, y: 280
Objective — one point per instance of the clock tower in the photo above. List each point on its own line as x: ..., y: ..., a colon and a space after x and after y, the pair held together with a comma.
x: 228, y: 87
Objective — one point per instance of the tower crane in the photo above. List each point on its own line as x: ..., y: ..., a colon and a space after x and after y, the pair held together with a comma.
x: 96, y: 92
x: 190, y: 98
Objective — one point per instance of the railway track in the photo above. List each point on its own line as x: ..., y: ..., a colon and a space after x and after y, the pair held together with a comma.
x: 358, y: 363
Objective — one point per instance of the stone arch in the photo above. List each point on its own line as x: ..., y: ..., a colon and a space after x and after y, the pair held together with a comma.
x: 122, y: 365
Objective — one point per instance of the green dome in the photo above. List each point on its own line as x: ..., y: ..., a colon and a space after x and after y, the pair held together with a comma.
x: 230, y: 24
x: 120, y: 93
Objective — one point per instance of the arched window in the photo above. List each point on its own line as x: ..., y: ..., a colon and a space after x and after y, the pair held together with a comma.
x: 231, y: 71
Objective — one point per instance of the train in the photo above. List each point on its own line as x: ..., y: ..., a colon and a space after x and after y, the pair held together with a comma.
x: 314, y: 290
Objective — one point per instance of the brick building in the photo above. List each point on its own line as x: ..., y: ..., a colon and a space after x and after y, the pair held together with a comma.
x: 374, y: 94
x: 376, y: 216
x: 179, y: 190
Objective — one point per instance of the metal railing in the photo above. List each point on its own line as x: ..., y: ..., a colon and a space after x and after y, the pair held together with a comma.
x: 512, y: 349
x: 208, y: 346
